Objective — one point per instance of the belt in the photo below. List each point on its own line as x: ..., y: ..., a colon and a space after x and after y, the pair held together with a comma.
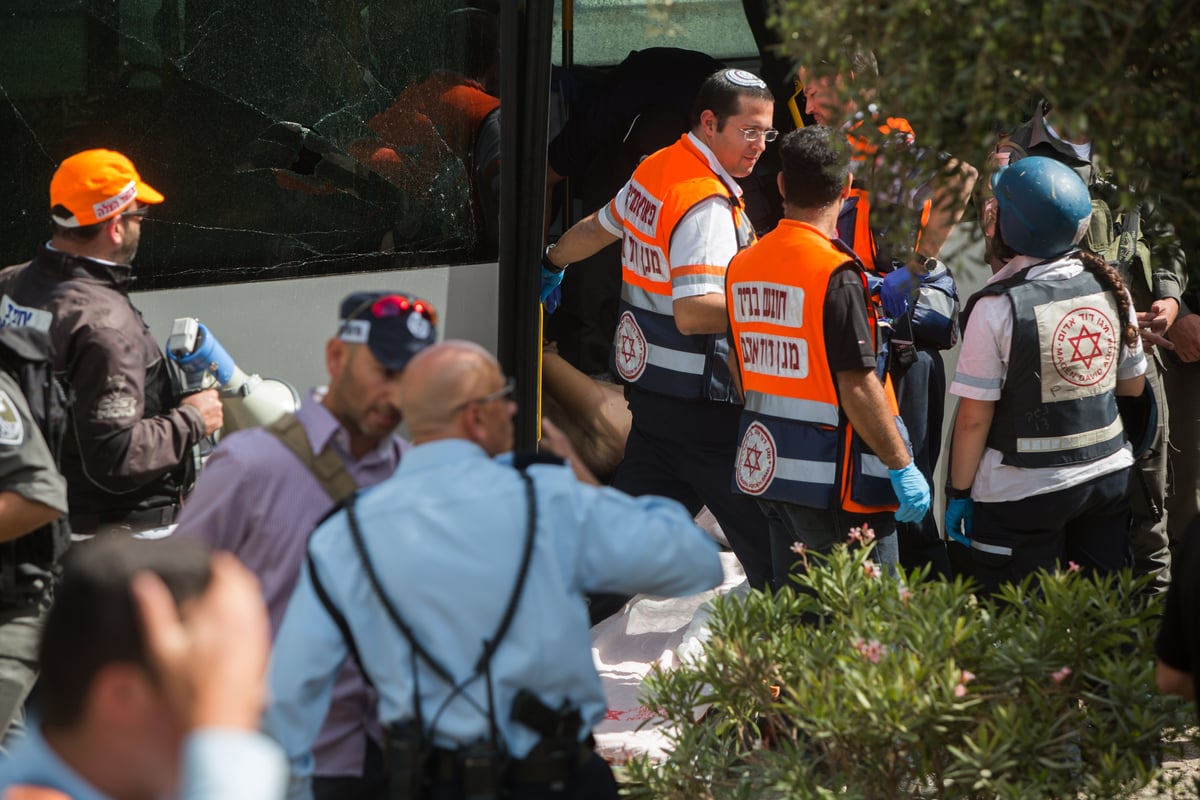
x: 542, y: 766
x: 133, y: 520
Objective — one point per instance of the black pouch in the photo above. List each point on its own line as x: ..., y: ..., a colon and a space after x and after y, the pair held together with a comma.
x: 406, y: 761
x: 484, y: 772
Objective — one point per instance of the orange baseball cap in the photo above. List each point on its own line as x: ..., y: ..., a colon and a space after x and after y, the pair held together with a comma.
x: 96, y: 185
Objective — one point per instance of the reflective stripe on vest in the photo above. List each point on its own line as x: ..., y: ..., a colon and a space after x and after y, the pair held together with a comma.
x: 1058, y: 444
x: 648, y: 349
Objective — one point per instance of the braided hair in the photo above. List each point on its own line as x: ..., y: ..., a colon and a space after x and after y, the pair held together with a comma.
x: 1111, y: 280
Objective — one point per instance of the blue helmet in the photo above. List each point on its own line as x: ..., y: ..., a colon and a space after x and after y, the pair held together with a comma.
x: 1044, y: 207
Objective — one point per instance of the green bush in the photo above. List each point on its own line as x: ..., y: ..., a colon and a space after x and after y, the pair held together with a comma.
x: 917, y: 688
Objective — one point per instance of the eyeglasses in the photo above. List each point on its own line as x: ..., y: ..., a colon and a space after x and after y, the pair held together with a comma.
x: 394, y: 305
x: 754, y: 134
x: 137, y: 212
x: 504, y: 391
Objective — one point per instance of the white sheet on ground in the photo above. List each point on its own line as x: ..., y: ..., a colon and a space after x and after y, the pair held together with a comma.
x: 625, y: 646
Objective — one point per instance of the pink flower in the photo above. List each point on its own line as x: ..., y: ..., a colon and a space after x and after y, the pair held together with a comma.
x: 872, y: 651
x: 1073, y: 567
x: 967, y: 677
x: 1061, y: 675
x: 872, y: 570
x: 905, y: 594
x: 960, y: 690
x: 799, y: 548
x: 861, y: 535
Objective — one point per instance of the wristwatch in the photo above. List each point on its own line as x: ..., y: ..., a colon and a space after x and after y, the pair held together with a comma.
x: 549, y: 265
x: 957, y: 494
x: 927, y: 263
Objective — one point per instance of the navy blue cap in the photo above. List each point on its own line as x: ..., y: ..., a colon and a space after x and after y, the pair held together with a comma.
x: 395, y: 326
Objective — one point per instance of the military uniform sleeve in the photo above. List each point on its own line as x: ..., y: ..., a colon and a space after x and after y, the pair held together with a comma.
x: 26, y: 465
x: 121, y: 450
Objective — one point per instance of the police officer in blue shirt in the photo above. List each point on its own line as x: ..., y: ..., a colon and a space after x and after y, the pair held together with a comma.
x: 459, y: 585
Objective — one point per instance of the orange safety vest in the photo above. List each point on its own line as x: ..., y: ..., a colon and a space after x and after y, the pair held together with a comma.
x: 648, y: 349
x: 854, y: 223
x: 796, y: 445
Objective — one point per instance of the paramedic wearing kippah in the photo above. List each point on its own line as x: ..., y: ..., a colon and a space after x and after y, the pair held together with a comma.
x: 260, y: 499
x: 128, y: 456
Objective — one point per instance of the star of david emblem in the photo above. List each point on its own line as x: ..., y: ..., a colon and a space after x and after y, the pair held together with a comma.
x: 753, y: 459
x: 627, y: 347
x: 1077, y: 341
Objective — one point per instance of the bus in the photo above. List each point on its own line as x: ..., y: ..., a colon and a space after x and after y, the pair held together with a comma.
x: 305, y: 151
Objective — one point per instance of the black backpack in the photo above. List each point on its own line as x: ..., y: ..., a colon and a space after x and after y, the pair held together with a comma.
x: 31, y: 561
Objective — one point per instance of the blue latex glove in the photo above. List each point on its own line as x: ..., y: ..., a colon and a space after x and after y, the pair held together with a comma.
x: 960, y: 513
x: 873, y: 284
x: 899, y: 292
x: 550, y: 282
x: 912, y: 490
x: 553, y: 300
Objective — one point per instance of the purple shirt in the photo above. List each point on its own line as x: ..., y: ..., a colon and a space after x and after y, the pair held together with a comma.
x: 255, y: 499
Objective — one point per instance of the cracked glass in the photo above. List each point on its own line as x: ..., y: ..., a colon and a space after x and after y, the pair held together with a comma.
x: 290, y: 137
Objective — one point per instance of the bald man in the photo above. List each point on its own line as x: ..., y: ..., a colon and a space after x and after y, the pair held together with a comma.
x: 452, y: 550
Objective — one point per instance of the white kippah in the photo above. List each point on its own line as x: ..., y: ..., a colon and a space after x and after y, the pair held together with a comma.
x: 741, y: 77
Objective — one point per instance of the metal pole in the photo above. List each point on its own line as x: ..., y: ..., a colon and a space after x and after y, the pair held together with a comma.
x: 525, y: 36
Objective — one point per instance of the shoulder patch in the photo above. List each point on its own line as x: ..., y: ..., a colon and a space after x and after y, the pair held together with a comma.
x: 12, y: 430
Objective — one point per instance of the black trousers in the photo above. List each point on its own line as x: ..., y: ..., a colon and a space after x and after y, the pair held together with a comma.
x: 592, y: 780
x: 686, y: 451
x: 372, y: 785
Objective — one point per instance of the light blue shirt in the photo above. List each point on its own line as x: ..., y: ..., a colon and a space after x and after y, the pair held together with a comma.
x: 445, y: 535
x: 218, y: 764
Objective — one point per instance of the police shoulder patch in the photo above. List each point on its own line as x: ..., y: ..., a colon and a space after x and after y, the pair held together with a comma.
x: 12, y: 430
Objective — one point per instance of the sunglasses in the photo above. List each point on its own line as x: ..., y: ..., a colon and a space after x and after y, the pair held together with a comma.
x: 394, y: 305
x: 137, y: 212
x: 504, y: 391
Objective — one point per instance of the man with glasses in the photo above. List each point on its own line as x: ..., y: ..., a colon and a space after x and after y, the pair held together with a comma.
x: 487, y: 567
x: 263, y: 491
x: 127, y: 457
x: 680, y: 219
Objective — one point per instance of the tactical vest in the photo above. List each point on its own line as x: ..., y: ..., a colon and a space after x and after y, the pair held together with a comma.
x: 1058, y: 406
x: 796, y: 444
x: 648, y: 349
x: 29, y: 564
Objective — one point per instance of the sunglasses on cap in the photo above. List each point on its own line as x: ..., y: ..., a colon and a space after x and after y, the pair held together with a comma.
x: 394, y: 305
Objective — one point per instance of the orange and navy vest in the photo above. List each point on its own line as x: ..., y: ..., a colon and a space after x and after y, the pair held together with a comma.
x: 854, y: 222
x: 796, y: 444
x: 648, y: 349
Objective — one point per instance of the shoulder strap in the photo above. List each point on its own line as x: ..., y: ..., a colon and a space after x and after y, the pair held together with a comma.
x: 338, y: 619
x: 492, y: 642
x: 999, y: 287
x: 327, y: 466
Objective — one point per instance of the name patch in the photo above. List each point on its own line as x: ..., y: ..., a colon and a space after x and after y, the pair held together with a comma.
x: 768, y: 302
x: 14, y: 315
x: 642, y: 209
x: 777, y: 356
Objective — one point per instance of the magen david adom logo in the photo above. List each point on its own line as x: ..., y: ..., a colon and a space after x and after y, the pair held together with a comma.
x: 630, y: 348
x: 1085, y: 346
x: 756, y: 460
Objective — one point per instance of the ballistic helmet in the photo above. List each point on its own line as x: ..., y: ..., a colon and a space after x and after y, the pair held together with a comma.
x: 1044, y: 207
